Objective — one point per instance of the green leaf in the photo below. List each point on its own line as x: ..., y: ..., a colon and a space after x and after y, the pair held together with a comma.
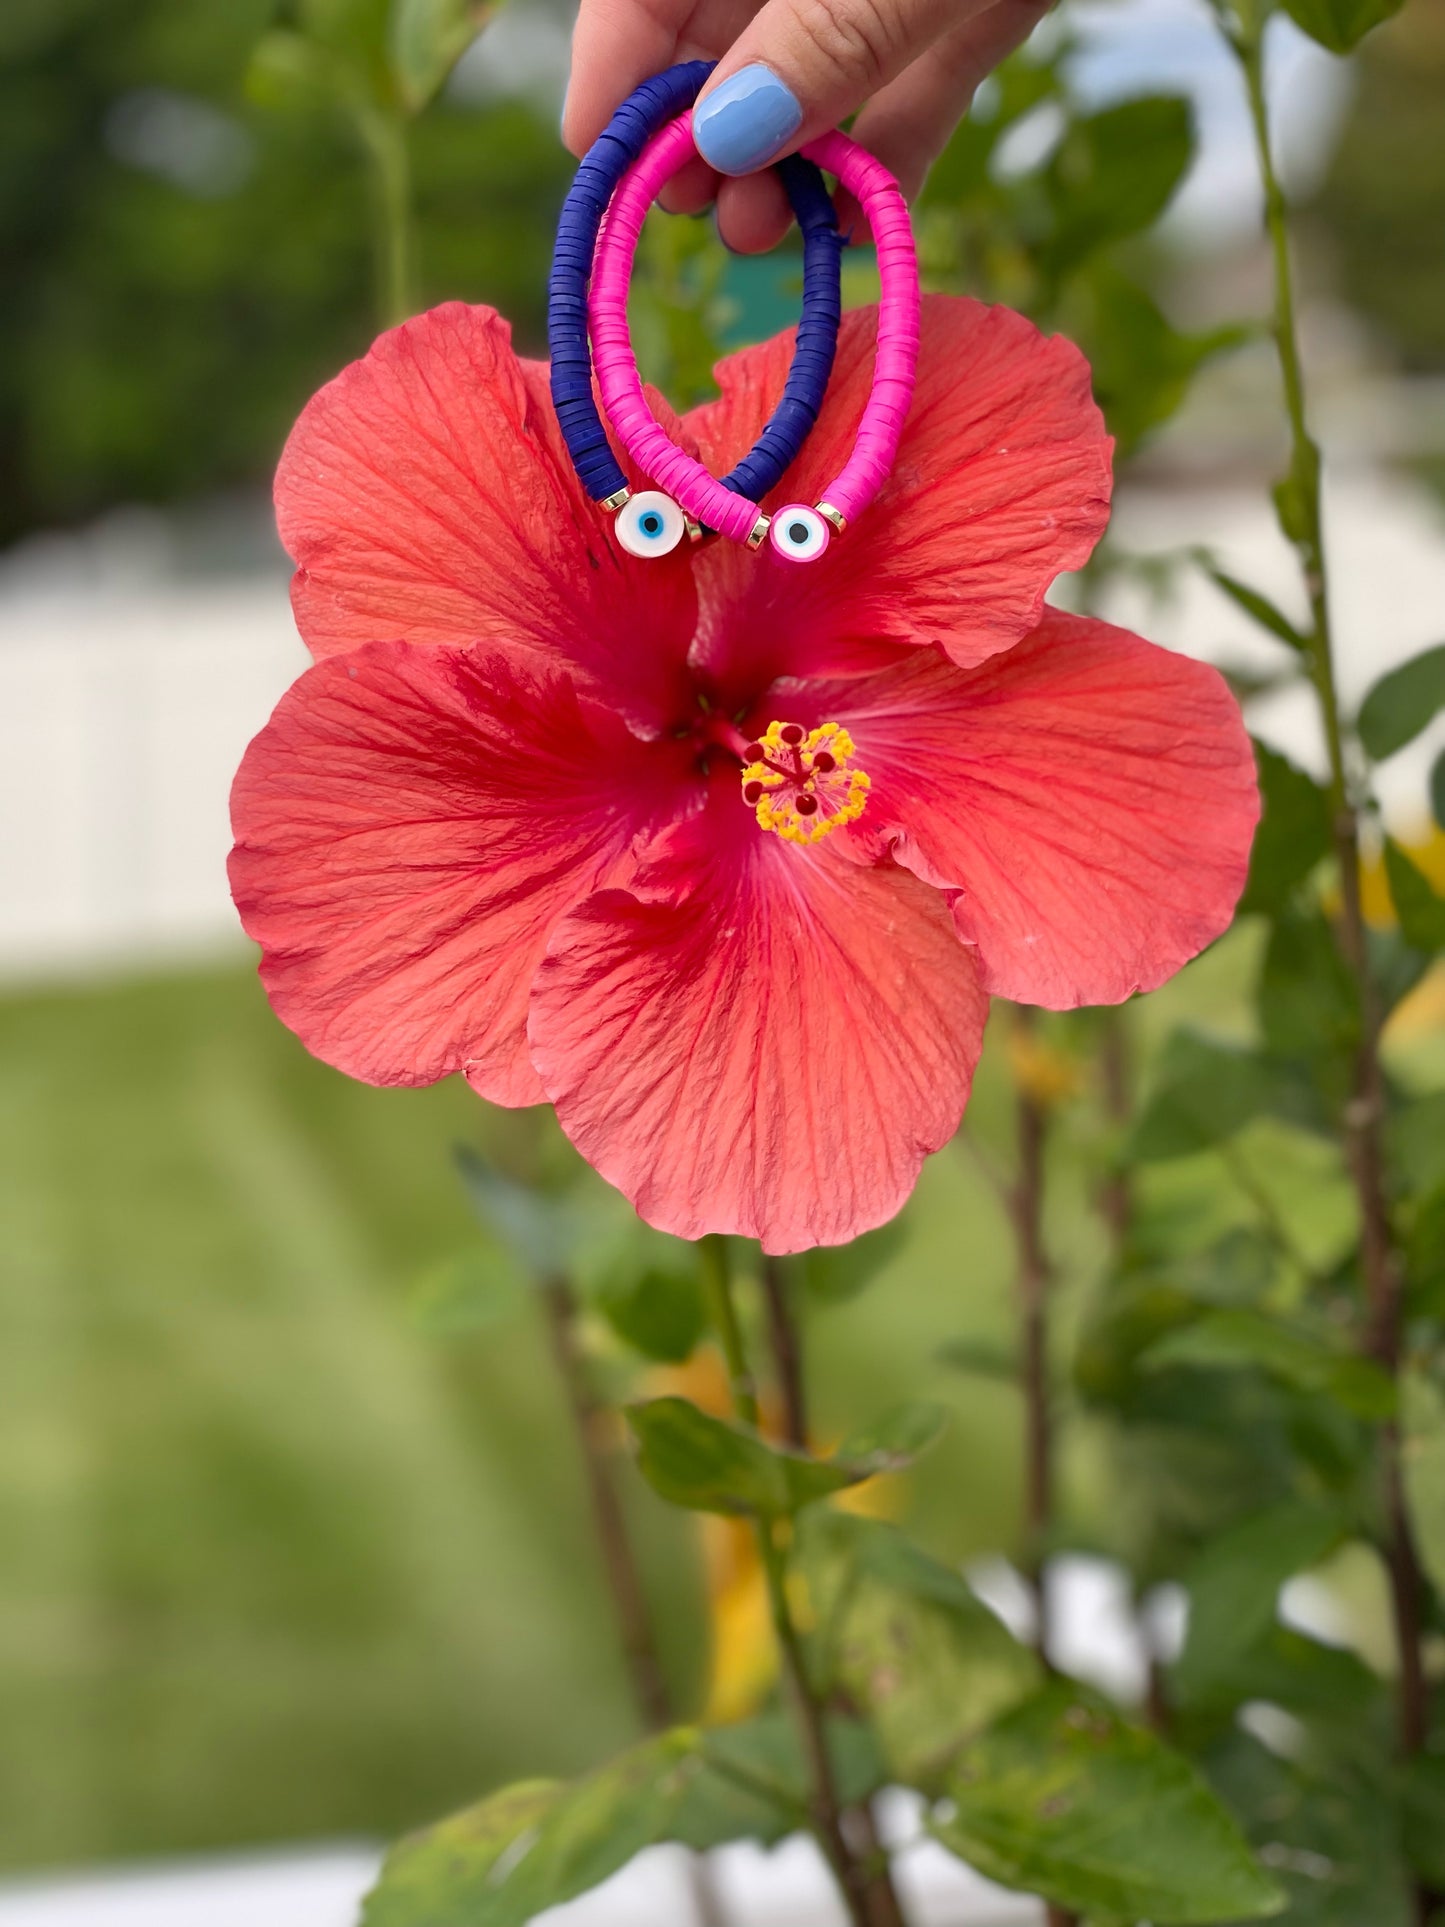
x: 1241, y: 1336
x: 428, y: 38
x: 1235, y: 1582
x: 1293, y: 834
x: 1328, y: 1831
x: 1422, y: 1410
x: 1206, y: 1091
x: 704, y: 1463
x: 355, y: 33
x: 465, y: 1292
x: 1415, y: 1138
x: 981, y: 1357
x: 1260, y: 608
x: 356, y: 28
x: 701, y: 1462
x: 1437, y: 790
x: 542, y: 1232
x: 1142, y: 365
x: 907, y: 1642
x: 1061, y: 1798
x: 444, y: 1876
x: 1402, y: 703
x: 535, y: 1846
x: 1340, y: 25
x: 892, y: 1443
x: 1423, y: 1809
x: 1309, y: 1004
x: 1421, y: 912
x: 764, y: 1754
x: 1287, y: 1668
x: 660, y: 1313
x: 289, y: 73
x: 1425, y: 1255
x: 1114, y: 173
x: 835, y: 1273
x: 1130, y: 1322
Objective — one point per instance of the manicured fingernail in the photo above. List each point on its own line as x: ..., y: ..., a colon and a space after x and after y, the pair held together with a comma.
x: 746, y: 122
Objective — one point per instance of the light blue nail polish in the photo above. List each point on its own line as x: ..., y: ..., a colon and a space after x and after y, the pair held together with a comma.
x: 747, y: 121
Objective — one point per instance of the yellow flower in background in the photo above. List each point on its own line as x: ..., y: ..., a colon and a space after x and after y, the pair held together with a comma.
x: 1040, y: 1070
x: 1423, y: 1011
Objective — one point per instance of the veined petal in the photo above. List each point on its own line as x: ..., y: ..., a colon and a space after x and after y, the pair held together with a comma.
x: 1089, y: 796
x: 1002, y: 482
x: 758, y: 1038
x: 426, y: 495
x: 409, y: 825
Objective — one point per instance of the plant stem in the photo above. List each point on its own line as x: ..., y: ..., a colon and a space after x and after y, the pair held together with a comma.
x: 384, y: 136
x: 590, y: 1419
x: 1115, y: 1199
x: 1026, y: 1207
x: 787, y: 1355
x: 1026, y: 1202
x: 1365, y: 1113
x: 785, y: 1343
x: 854, y: 1876
x: 624, y: 1581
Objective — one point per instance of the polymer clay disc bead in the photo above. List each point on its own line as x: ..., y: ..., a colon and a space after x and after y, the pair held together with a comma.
x: 650, y: 108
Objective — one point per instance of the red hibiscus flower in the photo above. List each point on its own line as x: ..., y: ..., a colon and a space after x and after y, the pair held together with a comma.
x: 719, y: 855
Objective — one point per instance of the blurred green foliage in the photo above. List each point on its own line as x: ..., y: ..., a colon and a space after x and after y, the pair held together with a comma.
x: 1383, y: 203
x: 184, y: 267
x: 1052, y: 237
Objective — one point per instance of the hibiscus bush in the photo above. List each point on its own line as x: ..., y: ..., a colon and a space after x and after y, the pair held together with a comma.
x: 728, y: 864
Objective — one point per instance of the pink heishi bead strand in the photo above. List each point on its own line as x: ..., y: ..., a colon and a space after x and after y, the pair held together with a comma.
x: 899, y: 319
x: 699, y: 494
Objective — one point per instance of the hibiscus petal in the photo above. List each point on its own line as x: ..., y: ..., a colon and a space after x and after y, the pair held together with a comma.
x: 425, y: 495
x: 1091, y: 796
x: 409, y: 825
x: 1002, y: 481
x: 759, y: 1039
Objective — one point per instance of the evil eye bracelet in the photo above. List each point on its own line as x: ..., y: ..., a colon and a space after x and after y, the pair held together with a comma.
x: 652, y: 524
x: 797, y: 532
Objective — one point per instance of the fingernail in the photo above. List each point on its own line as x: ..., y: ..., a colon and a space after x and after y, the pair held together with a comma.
x: 744, y: 123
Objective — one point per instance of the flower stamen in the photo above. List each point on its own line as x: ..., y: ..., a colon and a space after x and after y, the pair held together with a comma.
x: 800, y: 783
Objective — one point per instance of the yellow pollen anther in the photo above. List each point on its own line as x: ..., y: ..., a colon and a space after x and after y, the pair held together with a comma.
x: 802, y: 785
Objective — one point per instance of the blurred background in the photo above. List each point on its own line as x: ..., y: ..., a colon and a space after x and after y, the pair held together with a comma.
x: 293, y: 1534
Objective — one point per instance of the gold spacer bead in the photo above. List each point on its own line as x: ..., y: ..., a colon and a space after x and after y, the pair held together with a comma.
x: 697, y: 534
x: 614, y: 502
x: 835, y: 516
x: 760, y: 531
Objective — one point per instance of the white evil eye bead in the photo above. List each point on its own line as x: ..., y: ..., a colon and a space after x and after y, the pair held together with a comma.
x: 799, y: 534
x: 650, y: 524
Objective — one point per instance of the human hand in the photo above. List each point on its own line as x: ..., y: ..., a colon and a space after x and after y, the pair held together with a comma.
x: 789, y: 70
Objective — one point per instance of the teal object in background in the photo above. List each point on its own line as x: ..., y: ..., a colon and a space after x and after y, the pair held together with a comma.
x: 760, y: 293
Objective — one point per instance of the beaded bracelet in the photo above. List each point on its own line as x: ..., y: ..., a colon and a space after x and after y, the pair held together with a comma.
x: 655, y: 525
x: 799, y: 533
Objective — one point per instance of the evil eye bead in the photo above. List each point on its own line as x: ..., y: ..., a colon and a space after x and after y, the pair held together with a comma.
x: 650, y: 524
x: 799, y: 534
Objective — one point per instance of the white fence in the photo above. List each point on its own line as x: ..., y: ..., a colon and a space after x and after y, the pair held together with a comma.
x: 128, y: 692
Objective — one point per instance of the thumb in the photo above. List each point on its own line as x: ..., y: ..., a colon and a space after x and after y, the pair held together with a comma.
x: 804, y: 65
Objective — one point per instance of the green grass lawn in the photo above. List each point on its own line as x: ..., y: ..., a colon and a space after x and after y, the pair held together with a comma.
x: 273, y: 1562
x: 276, y: 1563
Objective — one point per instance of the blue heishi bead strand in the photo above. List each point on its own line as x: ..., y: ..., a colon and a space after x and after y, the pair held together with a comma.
x: 643, y: 114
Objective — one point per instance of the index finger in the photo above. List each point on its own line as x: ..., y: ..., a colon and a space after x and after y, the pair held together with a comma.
x: 616, y: 45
